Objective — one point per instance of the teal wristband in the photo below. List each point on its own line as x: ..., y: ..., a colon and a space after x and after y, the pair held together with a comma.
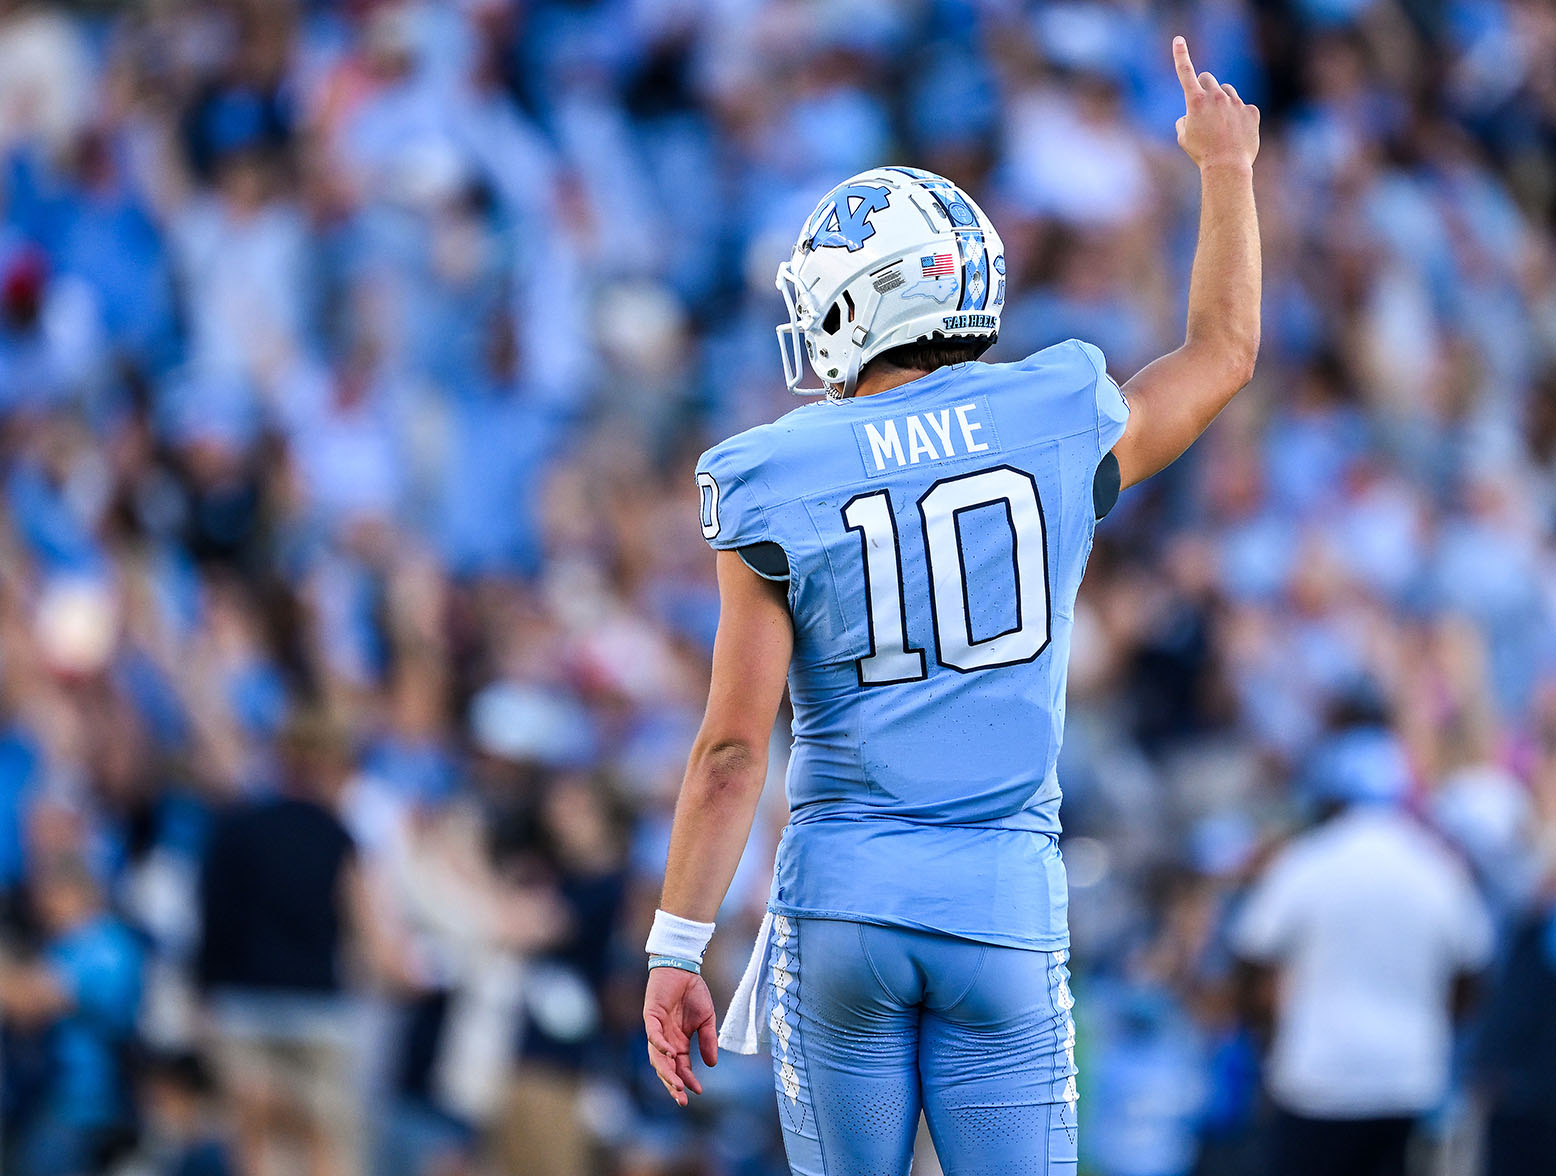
x: 663, y: 961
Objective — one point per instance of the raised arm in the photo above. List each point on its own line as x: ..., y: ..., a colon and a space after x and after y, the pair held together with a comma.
x: 713, y: 816
x: 1174, y: 399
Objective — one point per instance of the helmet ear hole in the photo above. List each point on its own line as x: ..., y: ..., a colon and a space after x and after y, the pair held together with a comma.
x: 833, y: 320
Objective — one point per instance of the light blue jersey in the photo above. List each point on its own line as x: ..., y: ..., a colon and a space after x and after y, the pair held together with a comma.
x: 936, y: 535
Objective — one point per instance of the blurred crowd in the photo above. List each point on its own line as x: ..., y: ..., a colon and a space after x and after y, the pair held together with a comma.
x: 354, y: 618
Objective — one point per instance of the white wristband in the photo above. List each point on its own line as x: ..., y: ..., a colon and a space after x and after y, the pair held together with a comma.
x: 682, y: 939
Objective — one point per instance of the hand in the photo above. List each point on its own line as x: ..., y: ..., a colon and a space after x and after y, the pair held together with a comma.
x: 677, y: 1007
x: 1219, y: 129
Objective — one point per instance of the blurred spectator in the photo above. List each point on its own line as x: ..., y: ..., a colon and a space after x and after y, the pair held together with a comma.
x: 1366, y: 928
x: 282, y: 899
x: 1516, y: 1053
x: 75, y: 1006
x: 183, y: 1119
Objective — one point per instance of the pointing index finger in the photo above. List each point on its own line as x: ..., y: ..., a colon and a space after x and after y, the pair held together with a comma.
x: 1187, y: 78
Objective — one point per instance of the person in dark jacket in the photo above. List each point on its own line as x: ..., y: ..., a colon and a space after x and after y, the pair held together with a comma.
x: 283, y: 908
x: 1516, y: 1050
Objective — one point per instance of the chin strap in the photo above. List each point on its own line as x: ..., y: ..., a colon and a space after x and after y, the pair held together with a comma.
x: 850, y: 384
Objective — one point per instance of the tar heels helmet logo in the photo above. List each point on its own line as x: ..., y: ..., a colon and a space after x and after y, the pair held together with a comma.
x: 893, y: 256
x: 842, y: 220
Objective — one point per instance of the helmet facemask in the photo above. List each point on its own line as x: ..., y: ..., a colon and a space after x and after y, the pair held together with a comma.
x: 794, y: 335
x: 831, y: 343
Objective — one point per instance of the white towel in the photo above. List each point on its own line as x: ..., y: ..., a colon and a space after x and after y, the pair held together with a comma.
x: 745, y: 1030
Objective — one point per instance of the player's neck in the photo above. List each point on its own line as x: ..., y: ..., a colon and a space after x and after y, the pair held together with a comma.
x: 884, y: 381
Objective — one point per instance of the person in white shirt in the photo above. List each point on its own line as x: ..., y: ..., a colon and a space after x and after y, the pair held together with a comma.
x: 1368, y: 926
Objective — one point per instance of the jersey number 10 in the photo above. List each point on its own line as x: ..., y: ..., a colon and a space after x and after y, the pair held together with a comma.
x: 891, y: 658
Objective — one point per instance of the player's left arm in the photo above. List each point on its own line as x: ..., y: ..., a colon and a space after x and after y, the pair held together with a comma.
x: 724, y: 779
x: 728, y: 762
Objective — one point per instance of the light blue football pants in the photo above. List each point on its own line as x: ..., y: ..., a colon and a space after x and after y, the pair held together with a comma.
x: 872, y: 1024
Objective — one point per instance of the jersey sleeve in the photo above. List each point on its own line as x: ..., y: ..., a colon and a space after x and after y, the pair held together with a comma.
x: 1112, y: 408
x: 1265, y: 927
x: 731, y: 507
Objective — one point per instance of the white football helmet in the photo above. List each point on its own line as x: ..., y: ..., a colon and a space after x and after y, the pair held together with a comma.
x: 893, y: 256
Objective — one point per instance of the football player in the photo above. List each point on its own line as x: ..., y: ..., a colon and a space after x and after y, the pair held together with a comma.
x: 906, y: 553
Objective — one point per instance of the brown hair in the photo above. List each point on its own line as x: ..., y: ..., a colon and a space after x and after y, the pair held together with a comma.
x: 928, y: 354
